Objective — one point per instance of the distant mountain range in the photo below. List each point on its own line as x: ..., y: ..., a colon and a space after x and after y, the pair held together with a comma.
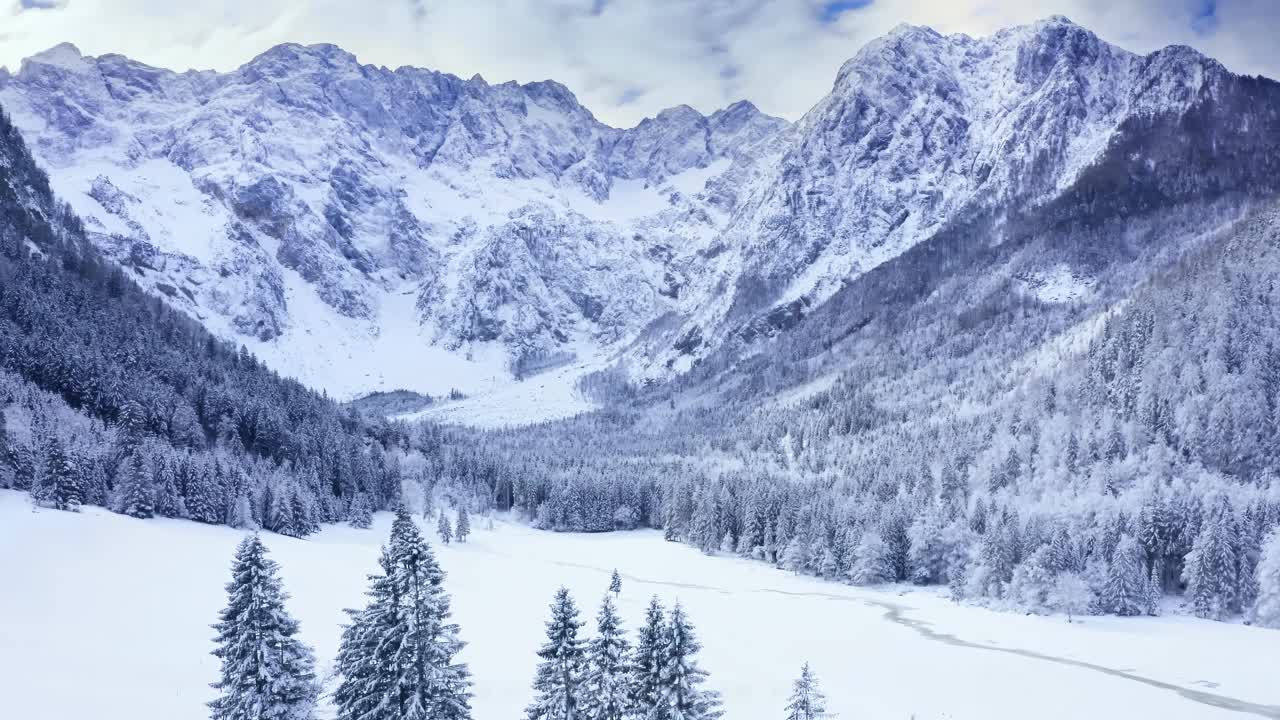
x: 370, y: 229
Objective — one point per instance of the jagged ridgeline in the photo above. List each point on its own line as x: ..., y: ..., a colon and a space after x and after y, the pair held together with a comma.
x: 110, y: 397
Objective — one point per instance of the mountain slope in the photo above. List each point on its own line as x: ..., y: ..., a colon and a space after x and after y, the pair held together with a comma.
x: 364, y: 229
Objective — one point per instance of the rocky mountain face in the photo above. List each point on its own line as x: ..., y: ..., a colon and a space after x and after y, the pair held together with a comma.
x: 366, y: 228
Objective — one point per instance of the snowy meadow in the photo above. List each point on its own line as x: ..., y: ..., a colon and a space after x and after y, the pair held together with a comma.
x: 119, y: 609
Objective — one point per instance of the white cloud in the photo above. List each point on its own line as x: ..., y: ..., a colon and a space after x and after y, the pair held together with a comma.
x: 624, y: 58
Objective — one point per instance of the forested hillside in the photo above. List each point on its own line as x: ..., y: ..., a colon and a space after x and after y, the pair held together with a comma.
x: 1122, y: 445
x: 110, y: 397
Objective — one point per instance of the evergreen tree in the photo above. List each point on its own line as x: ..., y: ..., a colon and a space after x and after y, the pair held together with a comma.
x: 1032, y: 582
x: 1210, y: 569
x: 606, y: 686
x: 464, y: 524
x: 807, y: 702
x: 649, y: 660
x: 137, y: 497
x: 361, y: 515
x: 682, y: 679
x: 397, y: 657
x: 1266, y: 610
x: 267, y: 673
x: 871, y: 562
x: 132, y: 423
x: 443, y: 528
x: 559, y: 679
x: 615, y: 583
x: 1125, y: 591
x: 62, y: 479
x: 169, y: 502
x: 796, y: 557
x: 1154, y: 593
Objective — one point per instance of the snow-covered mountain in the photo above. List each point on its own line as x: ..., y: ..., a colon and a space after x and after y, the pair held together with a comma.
x: 362, y: 227
x: 365, y: 228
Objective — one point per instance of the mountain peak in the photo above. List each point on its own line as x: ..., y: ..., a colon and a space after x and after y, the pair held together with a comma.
x: 288, y: 58
x: 63, y: 55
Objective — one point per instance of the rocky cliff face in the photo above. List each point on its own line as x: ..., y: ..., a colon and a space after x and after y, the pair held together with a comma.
x: 368, y: 228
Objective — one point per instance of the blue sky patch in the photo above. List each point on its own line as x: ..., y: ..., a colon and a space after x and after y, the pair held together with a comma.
x: 831, y: 10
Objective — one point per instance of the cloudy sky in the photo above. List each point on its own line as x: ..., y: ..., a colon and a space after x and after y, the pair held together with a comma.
x: 625, y: 59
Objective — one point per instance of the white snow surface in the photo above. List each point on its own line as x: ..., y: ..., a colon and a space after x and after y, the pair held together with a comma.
x: 552, y: 395
x: 110, y: 619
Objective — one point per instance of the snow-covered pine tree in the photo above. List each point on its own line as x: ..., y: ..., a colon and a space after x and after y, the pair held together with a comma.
x: 397, y: 657
x: 828, y: 568
x: 726, y: 543
x: 136, y: 496
x: 927, y: 557
x: 168, y: 501
x: 1266, y: 610
x: 1032, y: 582
x: 559, y: 678
x: 606, y: 684
x: 771, y: 542
x: 649, y: 660
x: 280, y: 515
x: 267, y: 673
x: 1210, y: 569
x: 615, y: 583
x: 463, y: 528
x: 61, y: 485
x: 132, y: 421
x: 807, y: 701
x: 682, y: 678
x: 1125, y: 590
x: 871, y: 562
x: 796, y: 556
x: 361, y: 514
x: 1154, y: 593
x: 443, y: 528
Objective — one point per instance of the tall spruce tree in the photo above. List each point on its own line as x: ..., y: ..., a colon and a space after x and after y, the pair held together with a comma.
x: 606, y: 686
x: 1125, y: 591
x: 137, y: 496
x: 559, y: 679
x: 361, y: 514
x: 682, y: 678
x: 62, y: 479
x: 443, y: 528
x: 807, y: 702
x: 1210, y: 569
x: 463, y: 528
x: 267, y: 673
x: 648, y: 662
x: 397, y: 657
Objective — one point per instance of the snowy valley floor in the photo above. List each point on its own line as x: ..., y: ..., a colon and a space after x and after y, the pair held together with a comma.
x: 107, y: 617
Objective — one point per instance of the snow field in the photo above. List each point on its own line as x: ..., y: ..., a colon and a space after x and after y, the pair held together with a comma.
x: 108, y: 617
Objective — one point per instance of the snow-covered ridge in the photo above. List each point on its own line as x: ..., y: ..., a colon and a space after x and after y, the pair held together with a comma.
x: 369, y: 228
x: 365, y: 228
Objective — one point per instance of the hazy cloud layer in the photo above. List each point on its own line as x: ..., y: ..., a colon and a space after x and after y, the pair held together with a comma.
x: 624, y: 58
